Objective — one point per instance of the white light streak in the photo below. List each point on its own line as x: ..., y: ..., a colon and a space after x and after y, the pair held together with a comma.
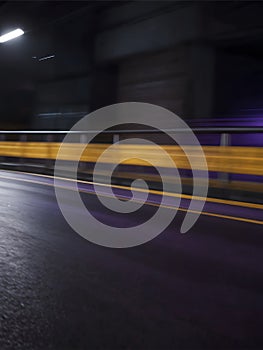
x: 11, y: 35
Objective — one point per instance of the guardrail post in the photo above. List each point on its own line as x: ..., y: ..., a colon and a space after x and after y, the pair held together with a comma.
x: 22, y: 138
x: 2, y: 139
x: 83, y: 139
x: 115, y: 138
x: 49, y: 162
x: 225, y: 141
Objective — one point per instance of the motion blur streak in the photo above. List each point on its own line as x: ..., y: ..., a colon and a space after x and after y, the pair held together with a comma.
x: 185, y: 196
x: 124, y: 194
x: 238, y: 160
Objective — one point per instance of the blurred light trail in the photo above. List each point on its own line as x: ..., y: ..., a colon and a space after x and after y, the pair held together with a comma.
x: 46, y: 58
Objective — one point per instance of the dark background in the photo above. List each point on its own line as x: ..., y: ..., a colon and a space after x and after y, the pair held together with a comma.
x: 199, y: 59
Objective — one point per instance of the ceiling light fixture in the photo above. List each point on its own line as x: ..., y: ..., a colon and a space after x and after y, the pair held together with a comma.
x: 46, y: 58
x: 11, y: 35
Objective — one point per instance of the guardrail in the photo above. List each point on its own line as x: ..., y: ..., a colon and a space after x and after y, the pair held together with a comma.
x: 234, y: 160
x: 41, y: 147
x: 112, y: 136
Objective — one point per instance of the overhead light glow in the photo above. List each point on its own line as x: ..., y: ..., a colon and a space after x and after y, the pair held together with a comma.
x: 11, y: 35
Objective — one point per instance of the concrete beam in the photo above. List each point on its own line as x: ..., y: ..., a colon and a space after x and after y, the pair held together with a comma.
x: 150, y: 34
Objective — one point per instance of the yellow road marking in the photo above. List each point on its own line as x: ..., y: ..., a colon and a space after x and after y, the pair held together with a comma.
x: 169, y: 194
x: 228, y: 217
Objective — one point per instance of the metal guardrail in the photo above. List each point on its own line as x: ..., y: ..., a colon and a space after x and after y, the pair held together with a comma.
x: 18, y: 148
x: 234, y: 130
x: 222, y: 159
x: 231, y: 160
x: 50, y: 135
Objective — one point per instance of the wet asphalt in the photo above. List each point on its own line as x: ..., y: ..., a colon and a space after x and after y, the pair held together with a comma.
x: 201, y: 290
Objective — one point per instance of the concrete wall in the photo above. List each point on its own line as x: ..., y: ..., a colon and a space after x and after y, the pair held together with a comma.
x: 148, y: 33
x: 166, y: 53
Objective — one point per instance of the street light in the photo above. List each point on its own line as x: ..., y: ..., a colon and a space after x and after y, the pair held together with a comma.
x: 11, y: 35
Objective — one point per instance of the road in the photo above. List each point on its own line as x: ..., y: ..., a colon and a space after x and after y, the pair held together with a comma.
x: 201, y: 290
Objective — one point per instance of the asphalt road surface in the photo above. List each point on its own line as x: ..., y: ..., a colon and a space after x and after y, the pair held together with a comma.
x: 201, y: 290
